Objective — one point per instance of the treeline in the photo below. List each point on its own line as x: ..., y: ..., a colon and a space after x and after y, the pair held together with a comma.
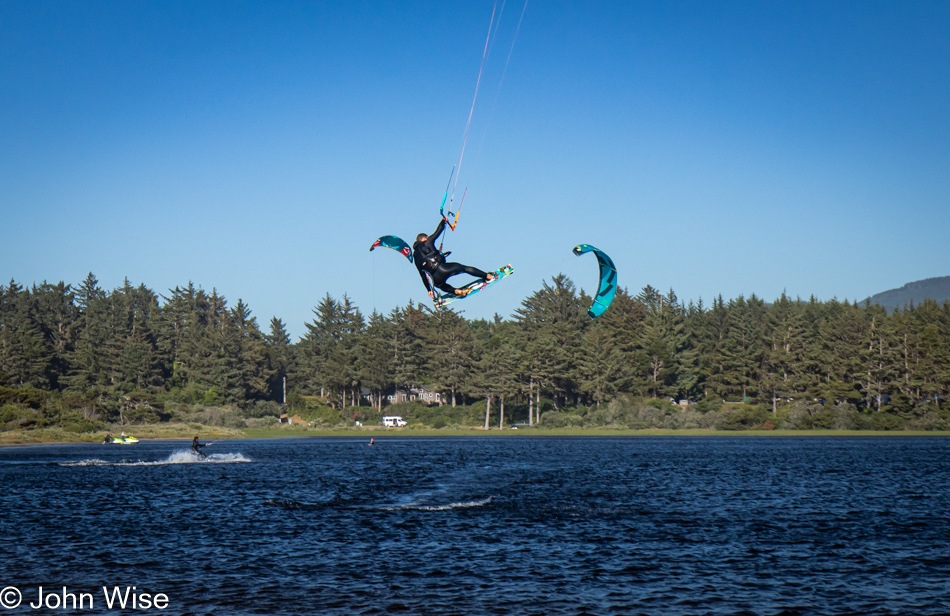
x: 105, y: 353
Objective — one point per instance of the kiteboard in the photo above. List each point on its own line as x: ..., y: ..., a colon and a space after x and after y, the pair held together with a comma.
x: 474, y: 287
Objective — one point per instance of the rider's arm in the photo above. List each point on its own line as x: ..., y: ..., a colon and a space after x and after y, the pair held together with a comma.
x: 438, y: 232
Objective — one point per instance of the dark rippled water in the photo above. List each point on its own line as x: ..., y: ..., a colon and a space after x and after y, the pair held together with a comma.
x: 488, y: 525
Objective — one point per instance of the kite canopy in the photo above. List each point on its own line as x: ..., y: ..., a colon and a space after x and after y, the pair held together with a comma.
x: 396, y: 243
x: 608, y: 280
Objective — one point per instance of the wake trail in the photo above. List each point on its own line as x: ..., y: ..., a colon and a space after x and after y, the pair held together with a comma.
x: 447, y: 507
x: 294, y: 505
x: 178, y: 457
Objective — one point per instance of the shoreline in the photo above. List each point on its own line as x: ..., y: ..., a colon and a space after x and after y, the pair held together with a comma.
x: 58, y: 437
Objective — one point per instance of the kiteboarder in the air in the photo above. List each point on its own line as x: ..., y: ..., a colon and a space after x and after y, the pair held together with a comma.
x: 430, y: 260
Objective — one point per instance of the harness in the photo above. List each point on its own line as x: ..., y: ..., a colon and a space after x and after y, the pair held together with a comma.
x: 432, y: 261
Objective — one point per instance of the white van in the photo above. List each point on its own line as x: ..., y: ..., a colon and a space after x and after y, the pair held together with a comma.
x: 393, y: 421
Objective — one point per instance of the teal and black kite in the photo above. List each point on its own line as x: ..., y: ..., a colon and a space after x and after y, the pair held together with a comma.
x: 608, y: 280
x: 396, y: 243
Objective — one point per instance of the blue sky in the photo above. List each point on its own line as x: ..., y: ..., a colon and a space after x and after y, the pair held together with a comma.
x: 259, y: 148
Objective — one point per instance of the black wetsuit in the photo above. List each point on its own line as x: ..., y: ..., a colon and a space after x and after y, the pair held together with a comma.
x: 196, y: 447
x: 431, y: 260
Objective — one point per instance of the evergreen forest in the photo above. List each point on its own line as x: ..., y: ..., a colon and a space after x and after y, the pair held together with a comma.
x: 83, y: 358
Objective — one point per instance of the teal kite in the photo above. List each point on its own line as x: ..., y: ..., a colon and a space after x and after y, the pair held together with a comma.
x: 608, y: 280
x: 396, y: 243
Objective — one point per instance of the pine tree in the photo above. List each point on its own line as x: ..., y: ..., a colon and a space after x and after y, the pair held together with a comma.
x: 844, y: 332
x: 171, y: 327
x: 352, y: 325
x: 410, y: 356
x: 743, y: 348
x: 785, y: 349
x: 205, y: 362
x: 689, y: 372
x: 24, y: 352
x: 89, y: 363
x: 375, y: 359
x: 187, y: 328
x: 933, y: 353
x: 135, y: 362
x: 57, y: 315
x: 880, y: 357
x: 906, y: 338
x: 280, y: 358
x: 623, y: 326
x: 453, y: 354
x: 712, y: 351
x: 498, y: 371
x: 554, y: 321
x: 813, y: 370
x: 602, y: 372
x: 663, y: 338
x: 326, y: 358
x: 252, y: 373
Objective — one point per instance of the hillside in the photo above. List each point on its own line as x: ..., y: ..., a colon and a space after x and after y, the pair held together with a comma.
x: 932, y: 288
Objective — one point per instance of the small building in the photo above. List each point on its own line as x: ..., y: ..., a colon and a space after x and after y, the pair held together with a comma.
x: 429, y: 397
x: 416, y: 393
x: 295, y: 420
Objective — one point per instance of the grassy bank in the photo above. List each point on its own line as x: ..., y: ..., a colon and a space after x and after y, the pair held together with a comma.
x: 168, y: 431
x: 622, y: 416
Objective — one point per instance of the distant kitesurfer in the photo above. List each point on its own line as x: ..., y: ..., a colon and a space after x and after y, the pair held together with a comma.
x: 430, y: 260
x: 107, y: 440
x: 372, y: 441
x: 196, y: 447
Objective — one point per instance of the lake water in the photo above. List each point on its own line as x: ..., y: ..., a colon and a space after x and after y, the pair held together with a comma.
x: 514, y: 525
